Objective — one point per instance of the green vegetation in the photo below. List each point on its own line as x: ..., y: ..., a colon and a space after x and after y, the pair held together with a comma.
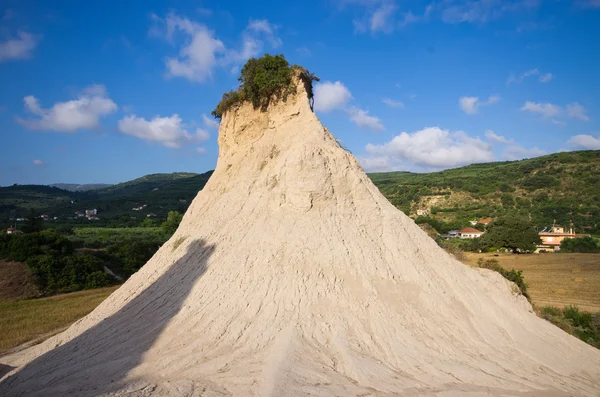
x: 27, y: 320
x: 160, y: 193
x: 509, y: 232
x: 53, y: 262
x: 263, y: 80
x: 561, y: 186
x: 516, y: 276
x: 580, y: 244
x: 583, y: 325
x: 172, y: 223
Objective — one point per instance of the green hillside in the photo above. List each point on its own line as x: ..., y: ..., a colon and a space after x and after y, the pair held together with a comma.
x: 74, y: 187
x: 561, y: 186
x: 159, y: 192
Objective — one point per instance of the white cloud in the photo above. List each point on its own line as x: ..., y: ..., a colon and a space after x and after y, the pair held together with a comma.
x: 19, y: 48
x: 392, y: 103
x: 430, y: 147
x: 362, y: 119
x: 546, y: 110
x: 168, y: 131
x: 81, y: 113
x: 375, y: 163
x: 577, y: 111
x: 554, y: 112
x: 473, y: 11
x: 200, y: 150
x: 202, y: 52
x: 471, y: 104
x: 588, y: 142
x: 382, y: 19
x: 303, y: 51
x: 468, y: 104
x: 210, y: 122
x: 493, y: 137
x: 330, y: 96
x: 38, y: 163
x: 517, y: 152
x: 262, y: 26
x: 546, y: 77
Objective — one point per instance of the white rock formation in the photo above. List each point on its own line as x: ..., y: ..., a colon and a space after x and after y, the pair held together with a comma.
x: 291, y: 275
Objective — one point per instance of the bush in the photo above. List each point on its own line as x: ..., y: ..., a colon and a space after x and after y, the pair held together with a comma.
x: 579, y: 244
x: 583, y: 325
x: 263, y: 80
x: 516, y: 276
x: 578, y: 318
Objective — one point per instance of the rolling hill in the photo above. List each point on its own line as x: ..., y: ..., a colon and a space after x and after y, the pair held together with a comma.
x: 74, y: 187
x: 561, y: 186
x: 159, y: 192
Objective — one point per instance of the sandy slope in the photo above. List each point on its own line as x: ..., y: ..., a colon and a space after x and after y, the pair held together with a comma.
x: 291, y: 275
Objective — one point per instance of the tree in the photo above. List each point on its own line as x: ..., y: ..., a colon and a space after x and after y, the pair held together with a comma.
x: 580, y: 244
x: 172, y: 223
x: 33, y: 222
x: 513, y: 233
x: 147, y: 223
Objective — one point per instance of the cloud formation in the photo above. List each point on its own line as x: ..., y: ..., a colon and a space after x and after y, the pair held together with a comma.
x: 330, y: 96
x: 167, y: 131
x: 587, y: 142
x: 392, y: 103
x: 516, y: 152
x: 432, y: 148
x: 471, y: 104
x: 202, y: 52
x: 81, y: 113
x: 552, y: 112
x: 19, y: 48
x: 543, y: 78
x: 363, y: 120
x: 493, y: 137
x: 38, y: 163
x: 210, y: 122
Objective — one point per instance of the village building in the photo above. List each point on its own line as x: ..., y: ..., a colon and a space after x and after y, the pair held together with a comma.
x: 469, y: 233
x: 10, y: 230
x: 422, y: 212
x: 552, y: 238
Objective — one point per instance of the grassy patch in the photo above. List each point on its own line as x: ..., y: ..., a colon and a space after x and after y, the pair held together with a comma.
x: 178, y: 242
x: 582, y: 324
x: 516, y: 276
x: 28, y: 320
x: 554, y: 279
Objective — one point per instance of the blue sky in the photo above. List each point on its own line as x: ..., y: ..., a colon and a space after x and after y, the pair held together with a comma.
x: 110, y: 91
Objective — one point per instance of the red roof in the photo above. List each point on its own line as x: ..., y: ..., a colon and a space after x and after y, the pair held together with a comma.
x: 11, y: 229
x: 485, y: 221
x: 469, y: 230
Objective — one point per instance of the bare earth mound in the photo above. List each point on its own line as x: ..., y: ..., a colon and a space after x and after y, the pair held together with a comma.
x: 16, y: 281
x: 291, y: 275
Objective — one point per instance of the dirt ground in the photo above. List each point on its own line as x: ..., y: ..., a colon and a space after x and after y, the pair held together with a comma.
x: 16, y: 281
x: 555, y: 279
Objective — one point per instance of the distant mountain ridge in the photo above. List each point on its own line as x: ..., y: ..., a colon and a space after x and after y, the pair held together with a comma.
x: 73, y: 187
x: 560, y: 186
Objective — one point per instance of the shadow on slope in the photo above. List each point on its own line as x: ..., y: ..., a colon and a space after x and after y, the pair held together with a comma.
x: 96, y: 362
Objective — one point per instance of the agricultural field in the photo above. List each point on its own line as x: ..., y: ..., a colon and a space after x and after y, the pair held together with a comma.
x: 554, y: 279
x: 37, y: 319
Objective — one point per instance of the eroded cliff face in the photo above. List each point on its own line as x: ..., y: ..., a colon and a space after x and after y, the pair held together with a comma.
x: 291, y: 275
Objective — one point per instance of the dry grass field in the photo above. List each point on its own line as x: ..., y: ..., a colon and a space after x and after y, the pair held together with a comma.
x: 34, y: 320
x: 555, y: 279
